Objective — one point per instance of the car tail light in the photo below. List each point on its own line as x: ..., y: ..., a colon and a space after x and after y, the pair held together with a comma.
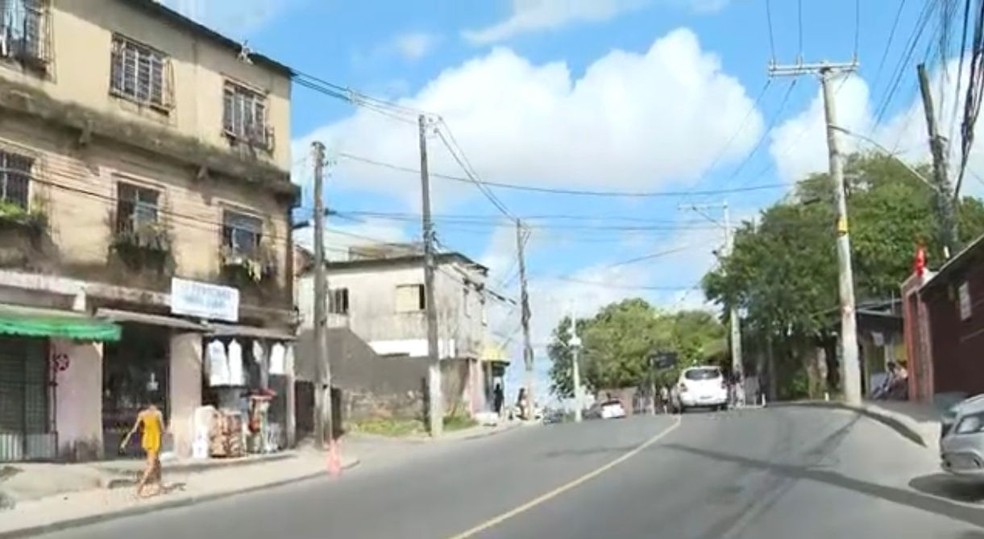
x: 724, y: 385
x: 683, y: 387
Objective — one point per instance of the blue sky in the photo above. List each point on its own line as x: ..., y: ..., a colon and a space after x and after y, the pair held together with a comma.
x: 656, y: 96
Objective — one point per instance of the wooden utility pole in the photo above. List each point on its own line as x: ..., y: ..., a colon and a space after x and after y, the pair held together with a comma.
x: 323, y: 428
x: 435, y: 399
x: 939, y: 147
x: 525, y: 316
x: 850, y: 363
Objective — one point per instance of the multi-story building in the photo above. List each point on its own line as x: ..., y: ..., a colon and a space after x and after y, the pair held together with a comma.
x: 145, y: 202
x: 378, y: 294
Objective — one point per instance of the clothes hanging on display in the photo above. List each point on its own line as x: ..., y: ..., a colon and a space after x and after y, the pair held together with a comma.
x: 277, y: 359
x: 236, y: 364
x: 218, y: 366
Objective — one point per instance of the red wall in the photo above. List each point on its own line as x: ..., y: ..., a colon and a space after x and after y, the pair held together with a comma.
x: 957, y: 345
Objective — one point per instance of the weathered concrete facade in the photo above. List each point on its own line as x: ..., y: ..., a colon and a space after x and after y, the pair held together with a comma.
x: 137, y: 146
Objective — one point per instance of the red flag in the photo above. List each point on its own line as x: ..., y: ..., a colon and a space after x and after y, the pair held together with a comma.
x: 919, y: 266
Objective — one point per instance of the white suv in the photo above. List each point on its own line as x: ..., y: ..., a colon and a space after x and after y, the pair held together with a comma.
x: 701, y: 387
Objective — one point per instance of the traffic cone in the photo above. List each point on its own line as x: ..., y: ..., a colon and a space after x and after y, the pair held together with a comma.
x: 334, y: 460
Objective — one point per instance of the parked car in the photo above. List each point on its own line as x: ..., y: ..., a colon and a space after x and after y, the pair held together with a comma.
x: 962, y: 438
x: 700, y: 387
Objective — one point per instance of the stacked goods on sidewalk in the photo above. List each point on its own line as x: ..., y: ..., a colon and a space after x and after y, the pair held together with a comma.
x: 225, y: 438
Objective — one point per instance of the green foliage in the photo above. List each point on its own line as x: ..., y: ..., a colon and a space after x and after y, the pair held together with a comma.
x: 782, y: 272
x: 619, y: 339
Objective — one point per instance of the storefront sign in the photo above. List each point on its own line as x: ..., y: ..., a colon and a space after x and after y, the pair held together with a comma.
x: 204, y: 300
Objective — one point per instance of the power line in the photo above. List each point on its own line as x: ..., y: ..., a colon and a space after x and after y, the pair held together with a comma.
x: 570, y: 192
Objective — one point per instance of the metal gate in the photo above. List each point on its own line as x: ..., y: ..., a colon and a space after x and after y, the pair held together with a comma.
x: 25, y: 420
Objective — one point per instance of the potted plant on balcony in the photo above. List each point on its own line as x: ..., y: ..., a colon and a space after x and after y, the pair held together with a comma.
x: 250, y: 265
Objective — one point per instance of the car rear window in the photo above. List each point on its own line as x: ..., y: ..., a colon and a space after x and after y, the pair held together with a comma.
x: 612, y: 403
x: 702, y: 374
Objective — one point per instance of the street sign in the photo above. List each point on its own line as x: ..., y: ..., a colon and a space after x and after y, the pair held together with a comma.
x: 663, y: 360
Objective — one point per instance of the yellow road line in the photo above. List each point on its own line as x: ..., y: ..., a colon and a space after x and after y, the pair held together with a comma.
x: 495, y: 521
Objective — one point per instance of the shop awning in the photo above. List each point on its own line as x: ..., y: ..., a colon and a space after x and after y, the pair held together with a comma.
x: 32, y: 322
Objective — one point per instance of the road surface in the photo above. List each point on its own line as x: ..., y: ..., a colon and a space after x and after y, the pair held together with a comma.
x: 751, y: 474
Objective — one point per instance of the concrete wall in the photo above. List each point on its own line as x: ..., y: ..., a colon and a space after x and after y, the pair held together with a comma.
x: 78, y: 399
x: 462, y: 323
x: 374, y: 386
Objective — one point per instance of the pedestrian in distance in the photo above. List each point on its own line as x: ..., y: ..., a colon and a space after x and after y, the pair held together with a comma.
x: 498, y: 398
x: 150, y: 423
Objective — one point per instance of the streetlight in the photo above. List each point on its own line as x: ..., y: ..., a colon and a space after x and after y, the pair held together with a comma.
x: 576, y: 369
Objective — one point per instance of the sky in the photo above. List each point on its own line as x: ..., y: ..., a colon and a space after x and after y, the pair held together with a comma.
x: 665, y: 103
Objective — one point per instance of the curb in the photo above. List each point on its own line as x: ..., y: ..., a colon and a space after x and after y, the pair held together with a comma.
x: 142, y: 510
x: 900, y: 424
x: 492, y: 432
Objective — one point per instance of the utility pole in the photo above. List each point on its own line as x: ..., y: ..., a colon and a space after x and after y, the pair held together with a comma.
x: 734, y: 317
x: 323, y: 428
x: 850, y: 365
x: 525, y: 317
x: 435, y: 400
x: 576, y: 368
x: 939, y: 147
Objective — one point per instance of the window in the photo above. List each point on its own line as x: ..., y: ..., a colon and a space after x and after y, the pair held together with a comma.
x: 338, y: 301
x: 244, y: 114
x: 15, y: 179
x: 139, y: 73
x: 966, y: 309
x: 22, y: 29
x: 136, y: 207
x: 465, y: 302
x: 485, y: 314
x: 708, y: 373
x: 410, y: 298
x: 241, y: 233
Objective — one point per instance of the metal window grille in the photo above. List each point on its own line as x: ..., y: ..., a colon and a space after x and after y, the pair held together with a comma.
x: 241, y: 233
x: 24, y: 29
x: 244, y: 115
x: 140, y: 73
x: 135, y: 207
x: 15, y: 179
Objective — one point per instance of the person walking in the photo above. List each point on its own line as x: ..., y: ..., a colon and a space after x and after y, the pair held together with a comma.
x: 498, y: 398
x: 150, y: 422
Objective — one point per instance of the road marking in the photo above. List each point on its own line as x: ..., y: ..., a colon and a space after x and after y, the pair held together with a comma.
x: 495, y: 521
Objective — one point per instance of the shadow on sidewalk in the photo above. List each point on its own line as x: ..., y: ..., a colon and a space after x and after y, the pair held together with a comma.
x: 917, y: 500
x: 947, y: 486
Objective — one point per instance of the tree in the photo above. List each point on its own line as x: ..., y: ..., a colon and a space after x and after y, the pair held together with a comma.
x: 619, y: 339
x: 782, y: 272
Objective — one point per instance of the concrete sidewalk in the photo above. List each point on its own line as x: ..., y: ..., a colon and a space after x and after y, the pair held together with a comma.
x: 184, y: 485
x: 918, y: 422
x: 50, y: 497
x: 470, y: 433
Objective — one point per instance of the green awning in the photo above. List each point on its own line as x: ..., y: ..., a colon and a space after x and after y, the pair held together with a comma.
x: 31, y: 322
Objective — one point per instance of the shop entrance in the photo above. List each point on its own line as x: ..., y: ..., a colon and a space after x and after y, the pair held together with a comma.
x: 135, y: 373
x: 26, y: 430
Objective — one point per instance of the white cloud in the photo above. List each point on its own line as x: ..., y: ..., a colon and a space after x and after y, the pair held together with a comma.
x: 799, y: 145
x: 528, y: 123
x: 339, y: 237
x: 415, y: 45
x: 235, y: 18
x: 536, y: 15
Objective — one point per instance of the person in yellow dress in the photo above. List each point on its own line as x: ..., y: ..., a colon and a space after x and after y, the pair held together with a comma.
x: 150, y: 422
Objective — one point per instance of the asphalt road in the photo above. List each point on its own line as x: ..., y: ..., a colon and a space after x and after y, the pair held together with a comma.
x: 754, y: 474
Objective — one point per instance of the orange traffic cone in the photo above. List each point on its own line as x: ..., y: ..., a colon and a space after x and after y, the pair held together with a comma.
x: 334, y: 460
